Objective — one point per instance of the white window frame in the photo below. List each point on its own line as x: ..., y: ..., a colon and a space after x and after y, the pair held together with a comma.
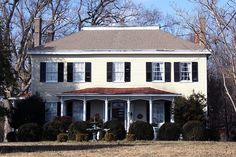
x: 114, y: 71
x: 190, y: 72
x: 55, y: 72
x: 162, y: 72
x: 74, y: 71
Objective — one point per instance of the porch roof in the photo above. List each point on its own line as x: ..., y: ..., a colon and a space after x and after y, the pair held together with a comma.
x: 119, y: 91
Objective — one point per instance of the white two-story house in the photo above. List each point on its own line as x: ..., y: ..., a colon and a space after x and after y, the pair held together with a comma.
x: 123, y: 73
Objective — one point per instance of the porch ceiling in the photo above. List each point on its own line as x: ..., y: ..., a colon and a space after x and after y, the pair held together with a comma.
x: 119, y: 91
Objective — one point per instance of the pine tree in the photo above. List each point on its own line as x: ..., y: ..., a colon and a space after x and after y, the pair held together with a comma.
x: 7, y: 79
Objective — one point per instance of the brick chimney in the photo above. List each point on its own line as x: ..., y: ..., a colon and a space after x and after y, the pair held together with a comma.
x: 202, y: 33
x: 50, y: 32
x: 200, y: 36
x: 37, y: 31
x: 50, y: 36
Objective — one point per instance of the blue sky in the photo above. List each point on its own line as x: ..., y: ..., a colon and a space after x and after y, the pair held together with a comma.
x: 166, y: 6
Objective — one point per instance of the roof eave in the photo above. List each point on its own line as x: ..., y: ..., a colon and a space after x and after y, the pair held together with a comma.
x: 118, y: 95
x: 115, y: 51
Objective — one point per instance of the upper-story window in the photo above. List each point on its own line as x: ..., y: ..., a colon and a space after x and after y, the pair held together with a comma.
x: 157, y: 71
x: 118, y: 71
x: 79, y: 72
x: 185, y: 71
x: 51, y: 72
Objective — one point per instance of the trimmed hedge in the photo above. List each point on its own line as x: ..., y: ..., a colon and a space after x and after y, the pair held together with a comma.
x: 116, y: 128
x: 109, y: 137
x: 81, y: 137
x: 194, y: 131
x: 64, y: 122
x: 78, y: 127
x: 11, y: 137
x: 142, y: 130
x: 62, y: 137
x: 169, y: 132
x: 51, y: 130
x: 130, y: 137
x: 212, y: 134
x: 58, y: 125
x: 29, y: 132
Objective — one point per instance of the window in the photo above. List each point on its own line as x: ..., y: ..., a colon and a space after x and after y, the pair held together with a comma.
x: 118, y: 72
x: 157, y: 72
x: 79, y: 72
x: 185, y: 71
x: 158, y: 113
x: 51, y: 110
x: 51, y: 72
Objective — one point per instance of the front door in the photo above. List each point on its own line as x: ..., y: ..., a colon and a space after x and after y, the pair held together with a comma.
x: 117, y: 111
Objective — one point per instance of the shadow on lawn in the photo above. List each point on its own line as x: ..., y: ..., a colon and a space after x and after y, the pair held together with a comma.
x: 40, y: 148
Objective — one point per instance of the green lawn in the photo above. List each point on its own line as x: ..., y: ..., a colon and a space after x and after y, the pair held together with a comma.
x: 119, y: 149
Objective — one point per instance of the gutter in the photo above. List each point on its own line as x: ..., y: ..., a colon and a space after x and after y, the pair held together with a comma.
x: 119, y: 52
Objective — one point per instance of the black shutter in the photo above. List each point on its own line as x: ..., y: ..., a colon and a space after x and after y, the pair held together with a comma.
x: 167, y: 72
x: 42, y: 72
x: 167, y: 111
x: 194, y: 71
x: 149, y: 71
x: 58, y: 109
x: 176, y: 71
x: 69, y: 72
x: 88, y: 109
x: 109, y: 71
x: 147, y: 111
x: 60, y: 72
x: 127, y: 71
x: 87, y: 72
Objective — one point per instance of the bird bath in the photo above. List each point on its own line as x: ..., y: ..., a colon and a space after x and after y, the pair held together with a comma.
x: 94, y: 129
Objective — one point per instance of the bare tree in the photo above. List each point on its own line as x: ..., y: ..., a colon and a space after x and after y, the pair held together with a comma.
x: 147, y: 17
x: 104, y: 12
x: 219, y: 38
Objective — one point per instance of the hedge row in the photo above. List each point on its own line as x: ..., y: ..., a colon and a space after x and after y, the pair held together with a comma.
x: 139, y: 130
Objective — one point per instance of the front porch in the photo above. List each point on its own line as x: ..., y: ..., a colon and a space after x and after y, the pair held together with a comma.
x: 153, y: 106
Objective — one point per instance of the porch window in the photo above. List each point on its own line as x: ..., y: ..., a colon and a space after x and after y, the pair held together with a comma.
x: 157, y: 71
x: 158, y: 113
x: 185, y: 71
x: 50, y: 110
x: 118, y: 72
x: 51, y: 72
x: 79, y: 72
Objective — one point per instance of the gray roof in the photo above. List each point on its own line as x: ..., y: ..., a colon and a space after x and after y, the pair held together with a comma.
x: 121, y: 39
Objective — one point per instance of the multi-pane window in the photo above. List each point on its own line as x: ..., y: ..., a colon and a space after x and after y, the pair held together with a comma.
x: 185, y: 71
x: 118, y: 72
x: 158, y: 110
x: 51, y: 72
x: 79, y: 72
x: 50, y: 110
x: 157, y: 72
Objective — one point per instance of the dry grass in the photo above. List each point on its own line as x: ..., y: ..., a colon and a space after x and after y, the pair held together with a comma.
x: 119, y: 149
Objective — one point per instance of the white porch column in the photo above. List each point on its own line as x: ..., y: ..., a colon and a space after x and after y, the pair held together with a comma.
x: 62, y: 106
x: 106, y: 110
x: 84, y: 109
x: 150, y: 110
x: 128, y: 114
